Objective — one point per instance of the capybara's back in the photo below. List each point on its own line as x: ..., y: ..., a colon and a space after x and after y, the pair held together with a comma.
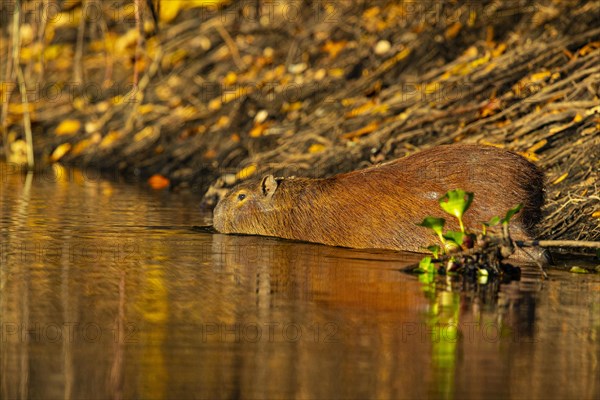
x: 380, y: 207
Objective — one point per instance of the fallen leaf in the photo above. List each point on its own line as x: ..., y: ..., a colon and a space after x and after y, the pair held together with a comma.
x: 453, y: 30
x: 68, y: 127
x: 158, y: 182
x: 537, y: 146
x: 362, y: 109
x: 365, y: 130
x: 259, y: 129
x: 245, y: 173
x: 145, y: 133
x: 334, y: 48
x: 110, y: 138
x: 316, y: 148
x: 81, y: 146
x: 230, y: 79
x: 560, y: 178
x: 540, y: 76
x: 60, y: 151
x: 126, y: 41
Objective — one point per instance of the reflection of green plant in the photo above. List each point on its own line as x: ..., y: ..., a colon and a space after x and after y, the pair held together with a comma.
x: 481, y: 260
x: 425, y: 265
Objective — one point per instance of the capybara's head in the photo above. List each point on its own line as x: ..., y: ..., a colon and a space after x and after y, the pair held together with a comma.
x: 247, y: 207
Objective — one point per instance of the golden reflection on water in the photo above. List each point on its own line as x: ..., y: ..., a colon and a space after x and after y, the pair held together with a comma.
x: 105, y: 292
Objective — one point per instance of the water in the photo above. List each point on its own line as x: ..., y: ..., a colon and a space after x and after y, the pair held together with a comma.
x: 106, y: 292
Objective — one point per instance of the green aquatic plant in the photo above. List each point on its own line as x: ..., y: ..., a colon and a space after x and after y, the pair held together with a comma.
x: 466, y: 251
x: 435, y: 224
x: 456, y: 203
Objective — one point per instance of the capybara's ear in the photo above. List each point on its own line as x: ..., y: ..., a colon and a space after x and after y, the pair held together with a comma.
x: 269, y: 185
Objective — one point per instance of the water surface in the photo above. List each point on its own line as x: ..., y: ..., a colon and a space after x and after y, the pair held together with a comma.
x: 106, y: 292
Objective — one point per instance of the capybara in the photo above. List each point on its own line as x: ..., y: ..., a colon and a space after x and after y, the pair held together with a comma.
x: 380, y: 206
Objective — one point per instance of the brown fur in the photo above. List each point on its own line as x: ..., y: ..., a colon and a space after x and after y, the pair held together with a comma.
x: 379, y: 207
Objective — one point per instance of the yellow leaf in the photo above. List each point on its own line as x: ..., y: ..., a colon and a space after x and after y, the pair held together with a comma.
x: 67, y: 19
x: 381, y: 109
x: 540, y: 76
x: 214, y: 104
x: 472, y: 18
x: 287, y: 107
x: 560, y: 178
x: 578, y: 118
x: 246, y: 172
x: 259, y: 129
x: 499, y: 50
x: 68, y: 127
x: 334, y: 48
x: 530, y: 156
x: 486, y: 143
x: 174, y: 58
x: 555, y: 129
x: 371, y: 12
x: 53, y: 52
x: 398, y: 57
x: 60, y: 151
x: 596, y: 214
x: 363, y: 108
x: 362, y: 131
x: 453, y: 30
x: 81, y: 146
x: 170, y: 9
x: 127, y: 40
x: 222, y: 122
x: 230, y: 79
x: 588, y: 48
x: 537, y: 146
x: 186, y: 112
x: 19, y: 108
x: 109, y: 139
x: 239, y: 93
x: 144, y: 109
x: 145, y: 133
x: 316, y: 148
x: 336, y: 72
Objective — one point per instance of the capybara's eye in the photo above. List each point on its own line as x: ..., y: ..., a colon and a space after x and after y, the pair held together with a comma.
x: 241, y: 196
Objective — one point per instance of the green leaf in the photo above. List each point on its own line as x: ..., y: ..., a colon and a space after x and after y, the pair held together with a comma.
x: 436, y: 224
x: 433, y: 223
x: 493, y: 222
x: 456, y: 202
x: 578, y: 270
x: 455, y: 237
x: 434, y: 249
x: 510, y: 213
